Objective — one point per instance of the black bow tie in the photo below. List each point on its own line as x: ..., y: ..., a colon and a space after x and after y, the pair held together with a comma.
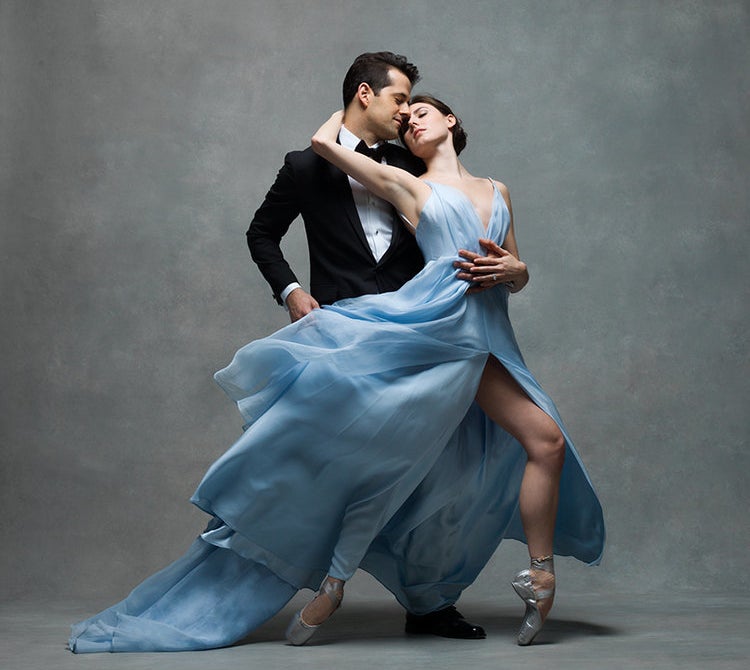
x: 375, y: 153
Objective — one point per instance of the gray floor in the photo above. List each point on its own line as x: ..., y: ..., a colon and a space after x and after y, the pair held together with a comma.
x: 618, y: 632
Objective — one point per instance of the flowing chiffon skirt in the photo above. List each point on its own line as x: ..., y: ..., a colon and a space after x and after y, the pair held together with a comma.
x: 363, y: 447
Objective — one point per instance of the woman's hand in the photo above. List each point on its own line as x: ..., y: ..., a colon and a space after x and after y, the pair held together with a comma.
x: 329, y: 131
x: 497, y: 267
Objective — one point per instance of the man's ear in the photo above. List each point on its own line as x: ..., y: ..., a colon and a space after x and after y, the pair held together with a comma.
x: 365, y: 94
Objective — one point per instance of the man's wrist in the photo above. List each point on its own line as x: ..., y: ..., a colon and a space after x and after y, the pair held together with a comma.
x: 285, y: 293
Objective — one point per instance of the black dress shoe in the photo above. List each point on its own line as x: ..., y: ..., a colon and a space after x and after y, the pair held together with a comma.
x: 447, y: 622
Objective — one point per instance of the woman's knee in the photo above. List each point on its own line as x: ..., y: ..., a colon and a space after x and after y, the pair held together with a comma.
x: 549, y: 447
x: 556, y: 448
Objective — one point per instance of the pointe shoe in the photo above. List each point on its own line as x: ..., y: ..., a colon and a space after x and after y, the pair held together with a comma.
x: 298, y: 632
x: 524, y: 586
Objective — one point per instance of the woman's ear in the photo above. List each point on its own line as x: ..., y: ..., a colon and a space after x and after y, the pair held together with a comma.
x: 451, y: 120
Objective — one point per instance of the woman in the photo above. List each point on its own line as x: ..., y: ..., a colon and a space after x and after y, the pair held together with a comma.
x: 435, y: 135
x: 364, y: 446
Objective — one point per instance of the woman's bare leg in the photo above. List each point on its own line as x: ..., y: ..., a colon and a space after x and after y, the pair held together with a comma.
x: 505, y: 403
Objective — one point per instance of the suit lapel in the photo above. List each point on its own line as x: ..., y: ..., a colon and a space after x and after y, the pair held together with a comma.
x: 392, y: 157
x: 398, y: 232
x: 341, y: 184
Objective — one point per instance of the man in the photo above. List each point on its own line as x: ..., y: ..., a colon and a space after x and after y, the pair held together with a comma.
x: 356, y: 243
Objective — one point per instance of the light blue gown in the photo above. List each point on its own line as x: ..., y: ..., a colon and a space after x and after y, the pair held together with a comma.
x: 363, y: 447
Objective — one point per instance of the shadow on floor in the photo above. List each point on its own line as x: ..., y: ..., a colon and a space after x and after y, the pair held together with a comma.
x: 361, y: 621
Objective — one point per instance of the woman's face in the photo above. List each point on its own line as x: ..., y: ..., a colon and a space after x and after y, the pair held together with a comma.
x: 426, y: 128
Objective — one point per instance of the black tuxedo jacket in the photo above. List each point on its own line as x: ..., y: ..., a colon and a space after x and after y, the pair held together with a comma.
x: 341, y: 262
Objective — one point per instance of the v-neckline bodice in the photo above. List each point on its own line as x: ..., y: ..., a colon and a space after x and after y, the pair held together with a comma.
x: 470, y: 203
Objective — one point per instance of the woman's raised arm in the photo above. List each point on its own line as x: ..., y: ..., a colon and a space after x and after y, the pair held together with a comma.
x: 403, y: 190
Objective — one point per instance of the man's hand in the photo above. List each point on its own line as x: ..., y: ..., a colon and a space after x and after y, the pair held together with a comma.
x: 497, y: 267
x: 299, y: 304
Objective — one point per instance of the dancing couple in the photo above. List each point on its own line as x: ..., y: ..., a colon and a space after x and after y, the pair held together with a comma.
x: 396, y: 428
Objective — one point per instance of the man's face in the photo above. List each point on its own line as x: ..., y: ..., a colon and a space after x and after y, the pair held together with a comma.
x: 389, y: 108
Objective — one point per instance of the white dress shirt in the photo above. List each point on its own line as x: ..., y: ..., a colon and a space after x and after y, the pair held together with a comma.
x: 375, y: 214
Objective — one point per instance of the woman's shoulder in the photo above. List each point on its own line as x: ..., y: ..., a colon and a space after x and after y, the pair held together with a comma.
x: 501, y: 187
x: 503, y: 192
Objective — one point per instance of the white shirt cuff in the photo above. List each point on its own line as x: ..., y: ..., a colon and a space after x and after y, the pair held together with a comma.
x: 285, y: 293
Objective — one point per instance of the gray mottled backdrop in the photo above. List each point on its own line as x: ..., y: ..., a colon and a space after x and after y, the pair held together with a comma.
x: 138, y: 138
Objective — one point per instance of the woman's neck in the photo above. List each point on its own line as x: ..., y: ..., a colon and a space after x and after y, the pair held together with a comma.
x: 444, y: 164
x: 447, y: 167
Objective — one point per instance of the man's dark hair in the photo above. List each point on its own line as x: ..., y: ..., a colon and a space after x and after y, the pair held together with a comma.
x: 372, y: 69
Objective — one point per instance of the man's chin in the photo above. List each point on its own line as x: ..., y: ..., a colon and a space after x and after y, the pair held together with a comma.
x: 389, y: 133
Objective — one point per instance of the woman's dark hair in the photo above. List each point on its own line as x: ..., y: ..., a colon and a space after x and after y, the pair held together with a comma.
x: 372, y: 68
x: 459, y: 134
